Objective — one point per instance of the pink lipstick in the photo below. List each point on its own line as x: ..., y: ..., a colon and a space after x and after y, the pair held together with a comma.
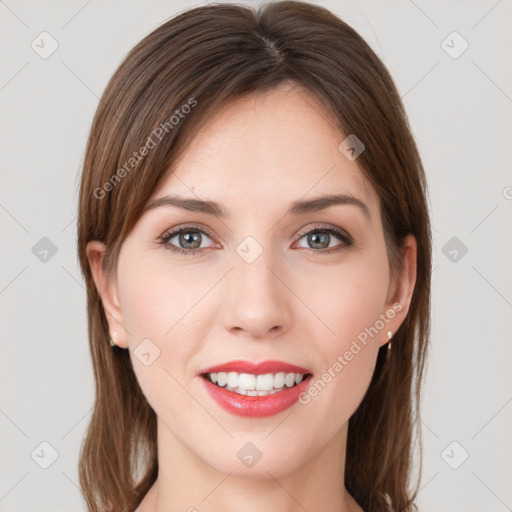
x: 252, y: 389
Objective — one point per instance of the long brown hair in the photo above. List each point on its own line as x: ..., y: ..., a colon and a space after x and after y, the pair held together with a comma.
x: 206, y: 57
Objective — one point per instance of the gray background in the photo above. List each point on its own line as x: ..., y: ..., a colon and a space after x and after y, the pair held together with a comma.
x: 460, y: 112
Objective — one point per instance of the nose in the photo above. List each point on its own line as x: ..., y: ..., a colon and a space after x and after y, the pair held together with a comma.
x: 258, y: 304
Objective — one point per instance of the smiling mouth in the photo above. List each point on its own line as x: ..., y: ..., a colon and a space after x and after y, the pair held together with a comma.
x: 255, y: 384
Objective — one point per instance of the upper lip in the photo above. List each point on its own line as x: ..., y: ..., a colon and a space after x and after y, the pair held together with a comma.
x: 241, y: 366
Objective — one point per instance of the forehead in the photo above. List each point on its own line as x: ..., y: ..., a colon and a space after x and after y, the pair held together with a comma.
x: 265, y: 149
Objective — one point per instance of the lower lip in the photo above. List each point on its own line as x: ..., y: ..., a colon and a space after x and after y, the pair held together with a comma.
x: 256, y: 406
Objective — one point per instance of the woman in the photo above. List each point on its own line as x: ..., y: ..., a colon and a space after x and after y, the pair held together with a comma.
x: 254, y: 233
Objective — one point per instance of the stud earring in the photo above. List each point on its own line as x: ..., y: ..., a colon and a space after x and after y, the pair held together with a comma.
x: 112, y: 342
x: 389, y: 335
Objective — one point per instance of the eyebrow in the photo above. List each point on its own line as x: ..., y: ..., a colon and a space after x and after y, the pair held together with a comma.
x: 299, y: 207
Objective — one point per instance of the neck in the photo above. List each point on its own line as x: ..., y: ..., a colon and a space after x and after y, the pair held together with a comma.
x: 186, y: 482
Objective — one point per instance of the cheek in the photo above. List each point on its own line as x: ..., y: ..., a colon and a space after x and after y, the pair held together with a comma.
x: 351, y: 304
x: 348, y: 298
x: 157, y: 299
x: 160, y: 318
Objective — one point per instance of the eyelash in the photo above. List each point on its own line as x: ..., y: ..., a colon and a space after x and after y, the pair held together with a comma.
x: 345, y: 238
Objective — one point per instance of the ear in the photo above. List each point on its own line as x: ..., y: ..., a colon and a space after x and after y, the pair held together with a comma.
x: 107, y: 289
x: 399, y: 301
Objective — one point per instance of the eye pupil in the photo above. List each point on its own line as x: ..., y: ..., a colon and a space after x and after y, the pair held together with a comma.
x: 314, y: 240
x: 190, y: 237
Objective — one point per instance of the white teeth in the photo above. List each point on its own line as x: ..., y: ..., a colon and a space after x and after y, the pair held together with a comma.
x: 289, y: 380
x: 246, y: 381
x: 222, y: 378
x: 265, y: 382
x: 255, y: 385
x: 232, y: 379
x: 253, y: 392
x: 279, y: 380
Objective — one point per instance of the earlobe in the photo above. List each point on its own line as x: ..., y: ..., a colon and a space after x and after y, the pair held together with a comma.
x: 404, y: 288
x: 107, y: 290
x: 408, y: 279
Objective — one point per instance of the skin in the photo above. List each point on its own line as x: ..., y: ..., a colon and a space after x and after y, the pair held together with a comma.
x: 255, y: 157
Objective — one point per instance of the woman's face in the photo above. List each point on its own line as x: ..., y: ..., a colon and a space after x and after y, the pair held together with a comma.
x: 256, y: 287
